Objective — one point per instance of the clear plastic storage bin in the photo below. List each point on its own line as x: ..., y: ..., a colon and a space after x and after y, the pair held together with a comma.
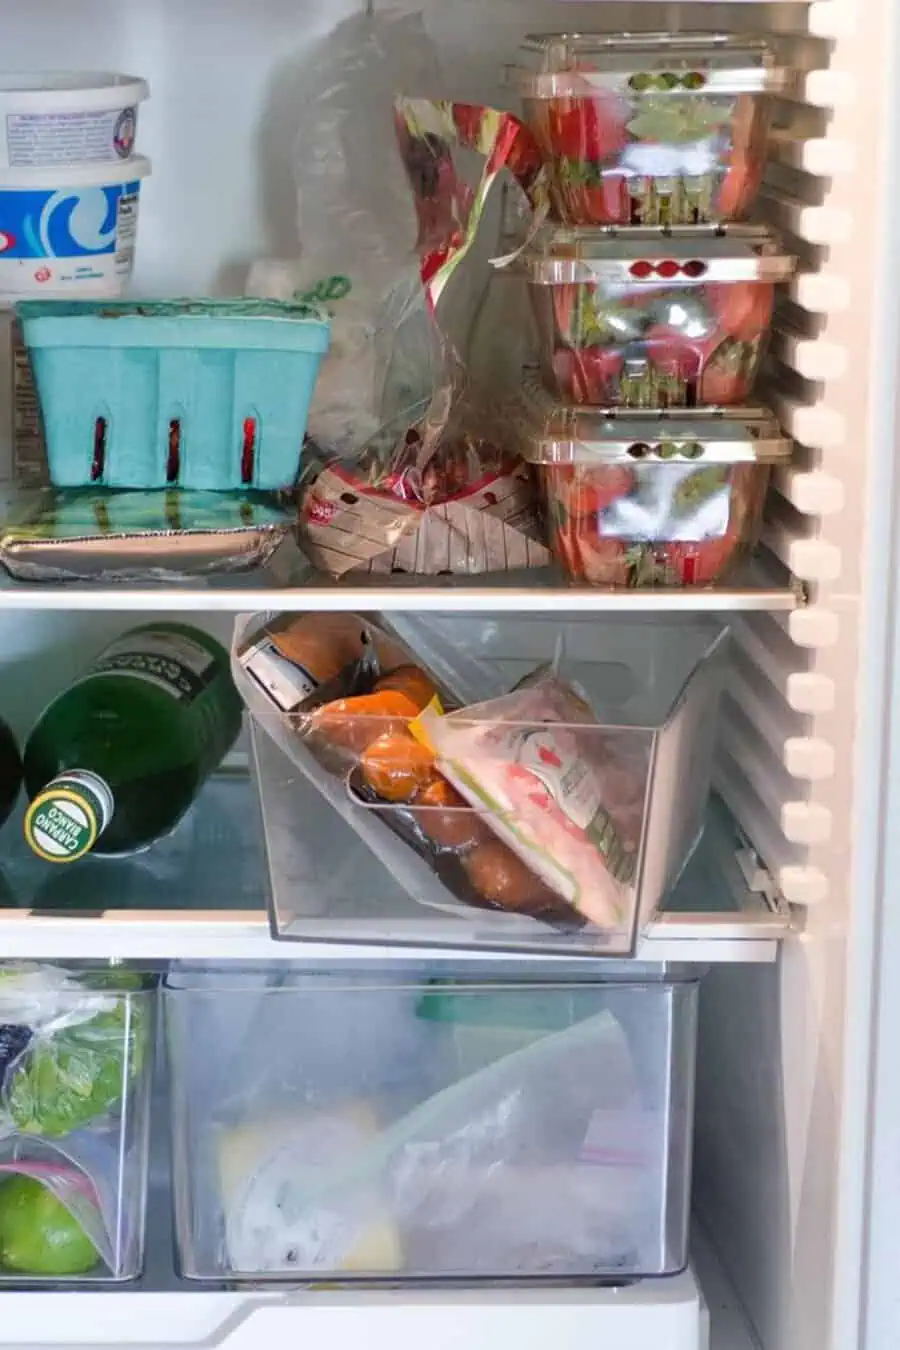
x: 638, y: 499
x: 76, y: 1057
x: 650, y: 129
x: 647, y: 319
x: 582, y: 861
x: 359, y: 1127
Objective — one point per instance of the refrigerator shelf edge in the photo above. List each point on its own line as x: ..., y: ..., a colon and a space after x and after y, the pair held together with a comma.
x: 216, y: 908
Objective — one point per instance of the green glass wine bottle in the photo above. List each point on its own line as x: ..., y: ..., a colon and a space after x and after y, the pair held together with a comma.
x: 10, y: 771
x: 115, y: 762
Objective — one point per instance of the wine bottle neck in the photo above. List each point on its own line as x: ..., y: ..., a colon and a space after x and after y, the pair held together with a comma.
x: 68, y: 816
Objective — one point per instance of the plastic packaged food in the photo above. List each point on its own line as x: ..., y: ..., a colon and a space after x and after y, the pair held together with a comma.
x: 652, y: 129
x: 75, y: 1064
x: 562, y: 799
x: 653, y: 319
x: 637, y: 500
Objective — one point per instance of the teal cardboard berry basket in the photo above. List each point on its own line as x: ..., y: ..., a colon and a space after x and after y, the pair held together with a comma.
x: 203, y: 394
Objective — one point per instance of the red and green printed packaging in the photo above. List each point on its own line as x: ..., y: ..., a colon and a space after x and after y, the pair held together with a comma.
x: 440, y: 489
x: 641, y: 499
x: 652, y: 129
x: 652, y: 320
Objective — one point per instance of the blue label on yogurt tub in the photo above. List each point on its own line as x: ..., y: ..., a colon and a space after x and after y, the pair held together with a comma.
x: 68, y: 223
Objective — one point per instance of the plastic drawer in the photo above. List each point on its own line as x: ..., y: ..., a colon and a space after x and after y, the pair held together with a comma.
x: 76, y: 1051
x: 369, y: 1126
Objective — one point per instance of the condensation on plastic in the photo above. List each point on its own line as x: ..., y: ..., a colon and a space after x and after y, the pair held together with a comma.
x: 374, y: 1138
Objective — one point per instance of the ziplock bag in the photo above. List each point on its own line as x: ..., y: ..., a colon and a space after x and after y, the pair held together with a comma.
x: 85, y: 1174
x: 541, y: 1163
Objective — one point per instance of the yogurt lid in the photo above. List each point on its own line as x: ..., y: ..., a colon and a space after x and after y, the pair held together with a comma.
x: 90, y: 90
x: 95, y: 174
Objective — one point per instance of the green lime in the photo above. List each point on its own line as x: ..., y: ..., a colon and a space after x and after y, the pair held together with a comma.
x: 38, y: 1235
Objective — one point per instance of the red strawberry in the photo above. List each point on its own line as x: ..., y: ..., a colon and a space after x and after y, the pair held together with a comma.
x: 584, y: 492
x: 698, y: 563
x: 739, y: 186
x: 589, y: 130
x: 590, y: 375
x: 604, y: 202
x: 568, y: 299
x: 743, y: 309
x: 672, y: 353
x: 604, y: 562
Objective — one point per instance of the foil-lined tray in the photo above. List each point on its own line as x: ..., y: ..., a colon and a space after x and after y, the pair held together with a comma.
x: 166, y: 536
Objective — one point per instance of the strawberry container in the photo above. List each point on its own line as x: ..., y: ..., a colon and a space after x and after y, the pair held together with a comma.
x: 655, y: 129
x: 653, y: 319
x: 638, y: 499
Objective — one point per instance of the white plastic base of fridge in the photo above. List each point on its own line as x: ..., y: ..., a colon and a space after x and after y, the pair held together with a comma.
x: 655, y: 1315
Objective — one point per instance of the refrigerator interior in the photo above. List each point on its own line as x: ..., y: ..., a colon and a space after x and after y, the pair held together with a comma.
x: 782, y: 1091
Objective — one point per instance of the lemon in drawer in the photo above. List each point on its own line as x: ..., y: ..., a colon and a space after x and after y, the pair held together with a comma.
x: 278, y: 1217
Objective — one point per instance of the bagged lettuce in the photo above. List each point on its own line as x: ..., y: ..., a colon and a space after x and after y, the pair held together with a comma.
x: 70, y: 1043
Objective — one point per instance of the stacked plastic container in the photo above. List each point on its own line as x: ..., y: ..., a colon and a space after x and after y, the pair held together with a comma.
x: 70, y: 183
x: 653, y: 302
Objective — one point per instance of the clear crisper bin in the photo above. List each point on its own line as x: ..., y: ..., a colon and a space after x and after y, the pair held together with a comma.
x: 552, y: 811
x: 365, y: 1126
x: 76, y: 1052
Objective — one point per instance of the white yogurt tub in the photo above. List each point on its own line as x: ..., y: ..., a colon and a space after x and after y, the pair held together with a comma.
x: 68, y: 118
x: 69, y: 231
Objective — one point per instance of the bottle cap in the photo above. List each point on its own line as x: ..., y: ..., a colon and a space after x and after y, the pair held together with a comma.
x: 68, y: 816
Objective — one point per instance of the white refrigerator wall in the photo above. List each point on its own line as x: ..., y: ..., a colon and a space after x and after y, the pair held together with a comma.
x: 783, y: 1097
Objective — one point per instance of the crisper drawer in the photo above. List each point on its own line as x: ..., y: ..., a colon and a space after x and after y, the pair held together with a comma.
x: 365, y: 1126
x: 76, y: 1049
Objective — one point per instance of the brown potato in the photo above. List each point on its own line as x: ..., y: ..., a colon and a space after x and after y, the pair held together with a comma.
x: 503, y: 879
x: 447, y: 819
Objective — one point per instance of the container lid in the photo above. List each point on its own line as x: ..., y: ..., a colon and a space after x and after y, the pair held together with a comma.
x: 550, y: 432
x: 560, y: 65
x: 686, y: 256
x: 92, y: 90
x: 98, y: 173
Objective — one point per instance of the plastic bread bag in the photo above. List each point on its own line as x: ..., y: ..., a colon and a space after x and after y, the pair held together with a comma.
x: 61, y: 1206
x: 71, y: 1046
x: 355, y: 224
x: 554, y: 788
x: 446, y: 1187
x: 440, y: 488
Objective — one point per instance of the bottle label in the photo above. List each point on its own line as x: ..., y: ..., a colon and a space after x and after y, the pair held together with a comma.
x: 171, y: 661
x: 66, y: 819
x: 286, y: 684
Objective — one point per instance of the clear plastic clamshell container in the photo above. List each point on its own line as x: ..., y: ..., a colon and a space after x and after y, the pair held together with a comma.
x: 642, y: 499
x: 76, y: 1058
x: 653, y: 319
x: 361, y: 1126
x: 551, y: 810
x: 652, y: 129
